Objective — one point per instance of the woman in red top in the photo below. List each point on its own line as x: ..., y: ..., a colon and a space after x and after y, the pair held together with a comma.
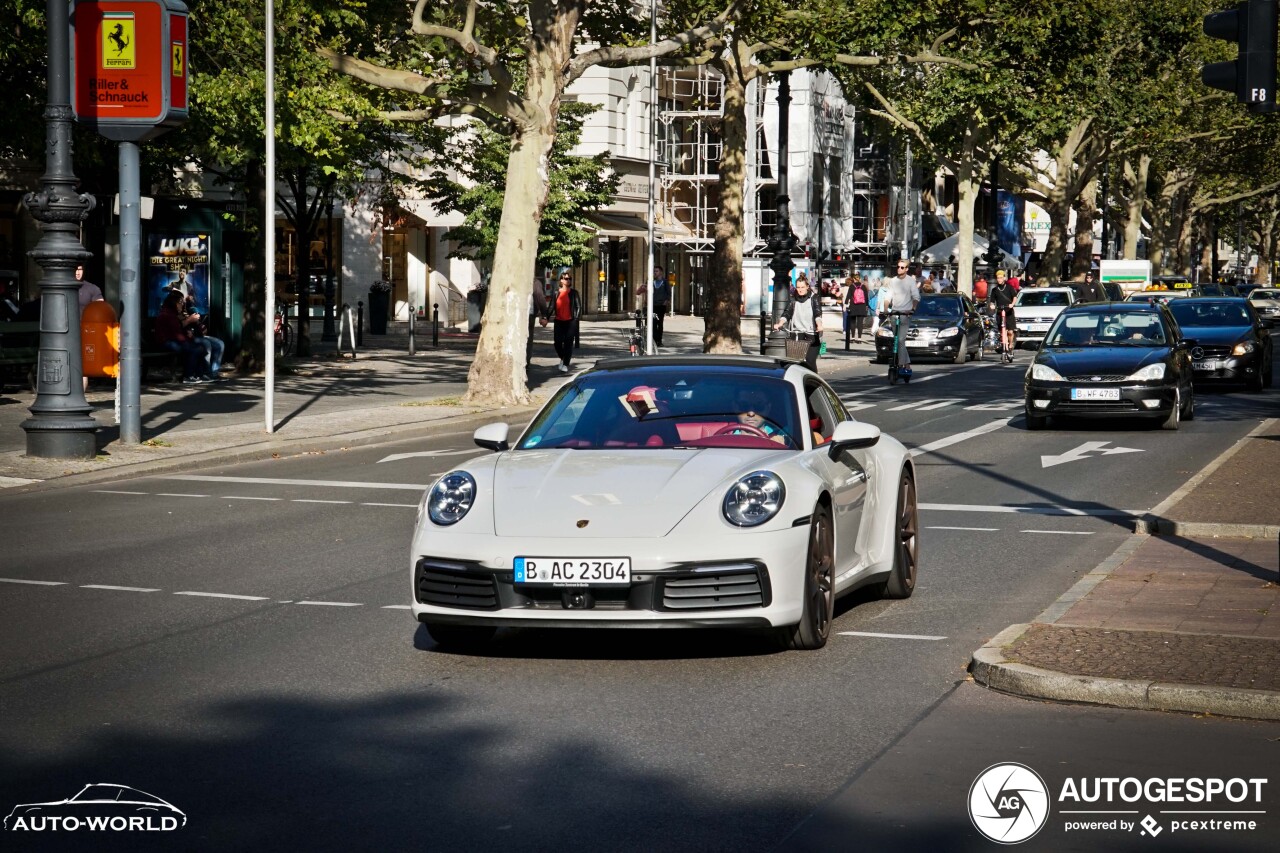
x: 566, y: 311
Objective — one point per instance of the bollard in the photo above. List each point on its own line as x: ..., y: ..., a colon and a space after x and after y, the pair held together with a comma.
x: 846, y: 331
x: 360, y: 322
x: 435, y: 324
x: 412, y: 345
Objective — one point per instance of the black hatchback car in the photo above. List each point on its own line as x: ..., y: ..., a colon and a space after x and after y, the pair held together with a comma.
x: 1229, y: 340
x: 1116, y: 359
x: 945, y: 325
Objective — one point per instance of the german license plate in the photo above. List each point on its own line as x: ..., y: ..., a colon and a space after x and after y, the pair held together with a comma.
x: 1095, y: 393
x: 1207, y: 364
x: 576, y: 571
x: 917, y: 343
x: 1038, y: 327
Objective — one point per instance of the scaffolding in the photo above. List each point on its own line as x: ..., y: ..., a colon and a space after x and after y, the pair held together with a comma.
x: 689, y: 151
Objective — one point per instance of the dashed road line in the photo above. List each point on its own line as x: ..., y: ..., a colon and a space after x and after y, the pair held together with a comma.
x: 281, y: 481
x: 247, y: 498
x: 395, y: 607
x: 118, y: 492
x: 333, y: 603
x: 401, y: 506
x: 33, y: 583
x: 178, y: 495
x: 891, y: 636
x: 119, y: 588
x: 1063, y: 532
x: 1097, y: 512
x: 223, y: 595
x: 944, y: 527
x: 316, y: 501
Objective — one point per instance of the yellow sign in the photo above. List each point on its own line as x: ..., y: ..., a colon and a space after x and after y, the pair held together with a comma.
x: 178, y: 65
x: 118, y: 52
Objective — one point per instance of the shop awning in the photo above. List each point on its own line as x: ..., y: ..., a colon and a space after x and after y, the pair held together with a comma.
x: 618, y: 225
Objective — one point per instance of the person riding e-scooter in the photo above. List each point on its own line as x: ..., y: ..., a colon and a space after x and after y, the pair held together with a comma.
x: 900, y: 293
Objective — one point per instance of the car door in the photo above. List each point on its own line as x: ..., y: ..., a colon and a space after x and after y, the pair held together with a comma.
x: 846, y: 474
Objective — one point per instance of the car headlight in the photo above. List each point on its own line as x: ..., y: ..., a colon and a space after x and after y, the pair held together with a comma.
x: 948, y: 333
x: 884, y: 332
x: 1149, y: 373
x: 451, y: 497
x: 754, y: 499
x: 1243, y: 348
x: 1045, y: 373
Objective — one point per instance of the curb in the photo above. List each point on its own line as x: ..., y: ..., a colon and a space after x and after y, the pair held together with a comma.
x: 270, y: 448
x: 990, y: 668
x: 1169, y: 527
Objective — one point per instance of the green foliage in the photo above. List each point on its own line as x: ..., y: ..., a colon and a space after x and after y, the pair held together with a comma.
x: 474, y: 188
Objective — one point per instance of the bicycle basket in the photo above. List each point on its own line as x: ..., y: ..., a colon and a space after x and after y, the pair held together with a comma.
x: 797, y: 350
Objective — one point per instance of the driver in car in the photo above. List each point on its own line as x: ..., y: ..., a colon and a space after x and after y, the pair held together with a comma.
x: 756, y: 416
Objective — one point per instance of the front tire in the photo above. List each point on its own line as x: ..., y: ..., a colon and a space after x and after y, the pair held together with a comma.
x: 460, y: 638
x: 1174, y: 420
x: 819, y: 588
x: 906, y: 556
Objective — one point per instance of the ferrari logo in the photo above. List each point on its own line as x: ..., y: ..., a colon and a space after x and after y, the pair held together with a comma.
x: 117, y: 41
x: 179, y: 66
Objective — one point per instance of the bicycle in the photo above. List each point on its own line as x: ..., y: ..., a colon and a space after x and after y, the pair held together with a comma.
x: 1006, y: 352
x: 635, y: 336
x: 896, y: 370
x: 285, y: 341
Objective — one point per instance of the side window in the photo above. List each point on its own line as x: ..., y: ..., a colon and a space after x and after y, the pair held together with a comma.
x: 837, y: 407
x: 822, y: 419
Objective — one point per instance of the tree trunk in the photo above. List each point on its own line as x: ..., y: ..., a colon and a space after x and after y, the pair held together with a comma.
x: 968, y: 185
x: 1086, y: 207
x: 1267, y: 240
x: 1137, y: 201
x: 1162, y: 208
x: 722, y: 329
x: 1186, y: 233
x: 253, y: 340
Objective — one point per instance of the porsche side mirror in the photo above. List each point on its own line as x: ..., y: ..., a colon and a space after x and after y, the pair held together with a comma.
x: 853, y: 435
x: 492, y: 437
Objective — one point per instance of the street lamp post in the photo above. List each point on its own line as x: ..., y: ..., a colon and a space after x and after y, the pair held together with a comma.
x: 60, y: 426
x: 782, y: 241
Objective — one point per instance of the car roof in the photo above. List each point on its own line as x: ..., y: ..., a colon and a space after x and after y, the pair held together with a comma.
x: 701, y: 361
x: 1137, y: 307
x: 1239, y: 300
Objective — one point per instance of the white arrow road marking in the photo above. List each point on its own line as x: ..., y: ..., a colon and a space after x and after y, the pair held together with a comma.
x: 398, y: 456
x: 1083, y: 451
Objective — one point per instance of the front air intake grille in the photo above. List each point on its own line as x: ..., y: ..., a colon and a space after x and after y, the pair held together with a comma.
x: 1068, y: 407
x: 449, y: 584
x: 1211, y: 351
x: 715, y: 590
x: 1099, y: 377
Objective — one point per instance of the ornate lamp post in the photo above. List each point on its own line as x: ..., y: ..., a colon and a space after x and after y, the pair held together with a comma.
x: 60, y: 426
x: 782, y: 241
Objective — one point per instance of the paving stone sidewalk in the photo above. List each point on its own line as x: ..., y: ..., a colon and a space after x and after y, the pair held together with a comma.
x: 1170, y: 622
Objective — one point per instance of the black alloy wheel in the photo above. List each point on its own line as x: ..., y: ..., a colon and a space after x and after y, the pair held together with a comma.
x: 819, y: 587
x: 460, y: 638
x: 906, y: 557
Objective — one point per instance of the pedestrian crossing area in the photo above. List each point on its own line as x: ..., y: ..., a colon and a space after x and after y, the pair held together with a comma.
x: 896, y: 404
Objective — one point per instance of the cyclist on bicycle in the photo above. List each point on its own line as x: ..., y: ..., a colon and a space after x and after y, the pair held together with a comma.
x: 900, y: 294
x: 1002, y: 296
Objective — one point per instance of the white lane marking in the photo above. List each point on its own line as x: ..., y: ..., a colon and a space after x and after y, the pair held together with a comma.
x: 224, y: 595
x: 944, y: 527
x: 923, y: 404
x: 1063, y: 532
x: 959, y: 437
x: 246, y: 498
x: 997, y: 406
x: 10, y: 482
x: 120, y: 588
x: 316, y: 501
x: 281, y: 481
x: 118, y: 492
x: 333, y: 603
x: 890, y: 636
x: 859, y: 405
x: 1083, y: 451
x: 396, y: 607
x: 178, y: 495
x: 33, y: 583
x: 394, y: 457
x: 1035, y: 510
x: 941, y: 404
x: 401, y: 506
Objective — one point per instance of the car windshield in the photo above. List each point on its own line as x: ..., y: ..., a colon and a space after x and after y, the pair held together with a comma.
x: 668, y: 407
x: 936, y: 306
x: 1265, y: 294
x: 1210, y: 314
x: 1036, y: 298
x: 1119, y: 328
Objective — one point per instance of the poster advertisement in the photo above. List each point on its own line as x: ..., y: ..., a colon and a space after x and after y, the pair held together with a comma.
x: 177, y: 262
x: 1009, y: 211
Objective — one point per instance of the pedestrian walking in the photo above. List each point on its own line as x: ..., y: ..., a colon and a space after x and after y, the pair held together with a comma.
x: 980, y: 288
x: 804, y: 315
x: 539, y: 311
x: 567, y: 309
x: 856, y: 307
x: 660, y: 289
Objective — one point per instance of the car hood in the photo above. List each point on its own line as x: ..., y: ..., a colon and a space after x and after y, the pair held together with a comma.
x: 624, y: 493
x: 1216, y: 335
x: 1031, y: 312
x: 1078, y: 361
x: 934, y: 322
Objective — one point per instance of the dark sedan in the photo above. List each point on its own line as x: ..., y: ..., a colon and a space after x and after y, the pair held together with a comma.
x: 1120, y: 359
x: 1230, y: 342
x: 945, y: 325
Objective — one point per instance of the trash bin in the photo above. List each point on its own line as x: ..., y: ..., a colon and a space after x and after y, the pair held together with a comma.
x: 379, y: 307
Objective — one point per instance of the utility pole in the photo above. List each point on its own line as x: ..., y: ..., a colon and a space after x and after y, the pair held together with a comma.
x: 906, y: 205
x: 782, y: 242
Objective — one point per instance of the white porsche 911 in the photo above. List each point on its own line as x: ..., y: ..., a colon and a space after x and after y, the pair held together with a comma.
x: 669, y: 491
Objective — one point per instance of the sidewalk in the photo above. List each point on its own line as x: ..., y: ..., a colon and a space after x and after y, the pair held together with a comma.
x: 1185, y: 621
x: 323, y: 402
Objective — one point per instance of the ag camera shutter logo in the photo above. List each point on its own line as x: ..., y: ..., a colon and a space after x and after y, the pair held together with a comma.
x: 1008, y: 803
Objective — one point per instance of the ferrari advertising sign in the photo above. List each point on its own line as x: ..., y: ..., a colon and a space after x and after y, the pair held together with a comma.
x: 129, y: 66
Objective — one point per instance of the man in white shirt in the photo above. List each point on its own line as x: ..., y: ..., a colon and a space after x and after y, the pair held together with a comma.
x: 900, y: 293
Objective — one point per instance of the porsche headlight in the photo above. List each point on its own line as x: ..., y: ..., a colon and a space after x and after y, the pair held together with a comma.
x: 754, y: 499
x: 1045, y: 373
x: 1149, y: 373
x: 451, y: 497
x: 1242, y: 348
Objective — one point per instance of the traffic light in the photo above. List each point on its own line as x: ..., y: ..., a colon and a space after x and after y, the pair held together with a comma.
x: 1252, y: 76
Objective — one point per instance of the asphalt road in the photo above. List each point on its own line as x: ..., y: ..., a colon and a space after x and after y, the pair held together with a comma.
x: 238, y: 643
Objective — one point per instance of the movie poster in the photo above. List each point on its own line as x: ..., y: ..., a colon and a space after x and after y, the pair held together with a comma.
x: 177, y: 262
x: 1009, y: 209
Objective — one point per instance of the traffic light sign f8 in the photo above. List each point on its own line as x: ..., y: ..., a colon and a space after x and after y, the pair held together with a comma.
x: 1252, y: 76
